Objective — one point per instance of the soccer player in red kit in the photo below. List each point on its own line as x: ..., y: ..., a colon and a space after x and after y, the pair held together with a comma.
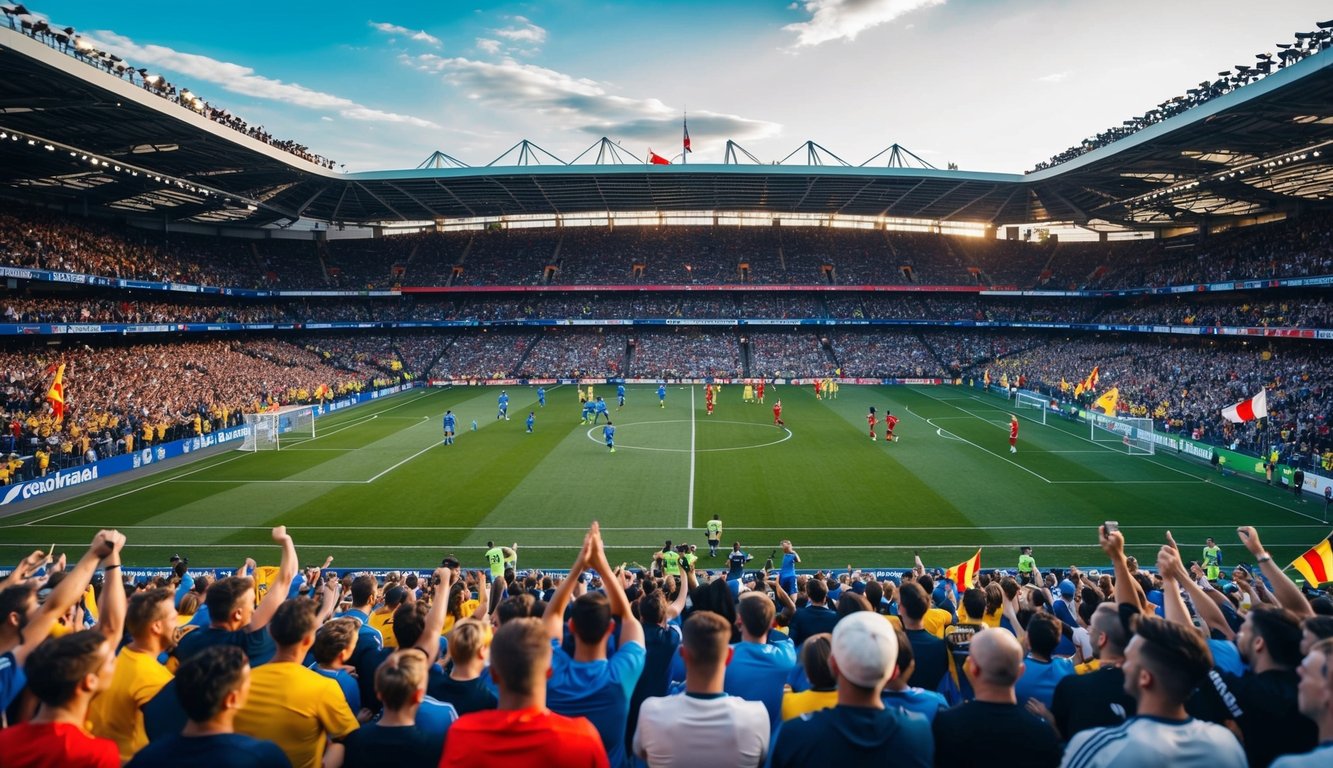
x: 1013, y: 434
x: 870, y: 418
x: 759, y: 392
x: 708, y: 399
x: 777, y: 414
x: 816, y: 389
x: 890, y: 424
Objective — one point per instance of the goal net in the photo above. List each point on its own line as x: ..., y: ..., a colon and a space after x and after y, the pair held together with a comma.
x: 1031, y: 407
x: 271, y: 429
x: 1134, y: 435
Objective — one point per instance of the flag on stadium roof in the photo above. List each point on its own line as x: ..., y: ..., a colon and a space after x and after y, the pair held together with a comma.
x: 657, y: 159
x: 965, y: 572
x: 1247, y: 410
x: 1109, y: 400
x: 56, y: 395
x: 1316, y: 565
x: 686, y: 124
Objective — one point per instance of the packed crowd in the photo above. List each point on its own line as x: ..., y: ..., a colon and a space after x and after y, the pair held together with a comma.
x: 663, y: 256
x: 791, y: 354
x: 119, y: 398
x: 1183, y: 384
x: 686, y: 353
x: 891, y: 354
x: 68, y: 41
x: 561, y: 353
x: 1303, y: 44
x: 680, y: 664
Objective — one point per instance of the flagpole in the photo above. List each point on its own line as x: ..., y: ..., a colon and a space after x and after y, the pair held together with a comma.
x: 685, y: 128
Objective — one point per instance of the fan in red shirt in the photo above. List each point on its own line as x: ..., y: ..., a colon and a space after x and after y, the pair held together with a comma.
x: 1013, y: 434
x: 870, y: 418
x: 777, y: 414
x: 522, y: 731
x: 890, y: 424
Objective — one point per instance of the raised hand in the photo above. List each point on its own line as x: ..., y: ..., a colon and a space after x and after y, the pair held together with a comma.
x: 1250, y: 538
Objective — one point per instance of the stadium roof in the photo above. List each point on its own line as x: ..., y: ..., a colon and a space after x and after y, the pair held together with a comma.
x: 77, y: 136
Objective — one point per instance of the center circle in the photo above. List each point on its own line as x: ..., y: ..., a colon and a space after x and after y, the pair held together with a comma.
x: 597, y: 438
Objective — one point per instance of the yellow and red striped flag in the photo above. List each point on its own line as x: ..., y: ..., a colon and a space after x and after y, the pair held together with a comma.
x: 1316, y: 565
x: 965, y: 572
x: 56, y: 395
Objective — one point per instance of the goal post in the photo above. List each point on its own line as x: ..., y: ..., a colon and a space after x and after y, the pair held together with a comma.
x: 1031, y: 406
x: 1135, y: 435
x: 270, y: 429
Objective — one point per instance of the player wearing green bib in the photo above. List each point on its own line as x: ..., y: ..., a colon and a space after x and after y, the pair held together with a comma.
x: 670, y: 560
x: 498, y: 557
x: 1212, y: 560
x: 714, y: 535
x: 1025, y: 565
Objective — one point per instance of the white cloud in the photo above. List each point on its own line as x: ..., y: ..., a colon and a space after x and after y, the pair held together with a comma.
x: 242, y: 79
x: 523, y: 31
x: 1055, y: 77
x: 583, y: 104
x: 421, y: 36
x: 845, y: 19
x: 487, y: 45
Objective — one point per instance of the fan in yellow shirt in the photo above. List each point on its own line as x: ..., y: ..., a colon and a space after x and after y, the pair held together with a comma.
x: 115, y: 712
x: 296, y: 708
x: 823, y: 691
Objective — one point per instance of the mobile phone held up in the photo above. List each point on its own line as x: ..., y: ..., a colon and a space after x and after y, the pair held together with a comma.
x: 1110, y: 526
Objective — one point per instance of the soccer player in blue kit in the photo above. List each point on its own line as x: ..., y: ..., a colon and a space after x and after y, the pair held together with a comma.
x: 661, y: 394
x: 541, y: 397
x: 532, y: 419
x: 449, y: 424
x: 600, y: 407
x: 503, y: 413
x: 609, y: 432
x: 588, y: 408
x: 620, y: 394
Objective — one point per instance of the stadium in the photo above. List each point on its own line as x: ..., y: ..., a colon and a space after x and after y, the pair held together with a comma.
x: 211, y: 332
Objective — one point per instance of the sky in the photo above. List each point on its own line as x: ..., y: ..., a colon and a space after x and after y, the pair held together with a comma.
x: 991, y: 85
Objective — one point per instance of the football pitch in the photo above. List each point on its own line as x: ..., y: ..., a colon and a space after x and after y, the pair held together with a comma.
x: 376, y: 488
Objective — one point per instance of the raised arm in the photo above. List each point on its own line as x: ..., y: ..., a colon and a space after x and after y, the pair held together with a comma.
x: 25, y: 568
x: 1284, y: 589
x: 429, y: 642
x: 1113, y: 544
x: 1168, y: 566
x: 631, y: 631
x: 484, y: 595
x: 277, y: 591
x: 113, y: 603
x: 330, y: 593
x: 66, y: 594
x: 1204, y: 604
x: 788, y: 605
x: 553, y: 618
x: 246, y: 568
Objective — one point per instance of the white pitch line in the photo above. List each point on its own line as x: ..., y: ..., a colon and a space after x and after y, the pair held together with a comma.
x: 401, y: 463
x: 689, y: 513
x: 941, y: 431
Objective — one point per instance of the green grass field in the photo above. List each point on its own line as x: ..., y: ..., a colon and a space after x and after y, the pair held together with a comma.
x: 376, y: 489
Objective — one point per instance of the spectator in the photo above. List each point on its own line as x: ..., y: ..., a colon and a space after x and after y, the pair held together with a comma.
x: 416, y: 625
x: 294, y: 707
x: 994, y: 729
x: 115, y: 713
x: 1316, y: 703
x: 464, y: 687
x: 1042, y: 670
x: 816, y: 616
x: 859, y: 731
x: 64, y: 673
x: 763, y: 658
x: 1097, y: 698
x: 522, y: 731
x: 593, y: 683
x: 823, y: 691
x: 212, y: 686
x: 395, y: 739
x: 334, y: 643
x: 234, y: 618
x: 899, y: 694
x: 730, y: 730
x: 381, y: 619
x: 661, y: 638
x: 931, y: 653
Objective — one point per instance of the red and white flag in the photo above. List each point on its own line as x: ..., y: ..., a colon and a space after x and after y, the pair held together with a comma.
x: 1248, y: 410
x: 686, y: 125
x: 657, y: 159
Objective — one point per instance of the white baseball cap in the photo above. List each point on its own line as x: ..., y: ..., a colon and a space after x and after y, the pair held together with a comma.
x: 865, y: 648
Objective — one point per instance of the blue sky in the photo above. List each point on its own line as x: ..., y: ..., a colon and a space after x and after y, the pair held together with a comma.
x: 992, y: 85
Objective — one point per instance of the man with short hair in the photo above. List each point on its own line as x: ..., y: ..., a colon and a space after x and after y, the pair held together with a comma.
x: 212, y: 687
x: 705, y: 727
x: 592, y: 684
x: 381, y: 619
x: 1042, y: 670
x: 334, y: 644
x: 815, y: 617
x: 64, y: 673
x: 522, y: 731
x: 115, y: 713
x: 234, y: 618
x: 994, y: 728
x: 860, y: 730
x: 762, y: 660
x: 897, y: 693
x: 395, y: 739
x: 294, y: 707
x: 713, y: 530
x: 1099, y: 697
x: 932, y: 653
x: 1316, y: 703
x: 464, y: 687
